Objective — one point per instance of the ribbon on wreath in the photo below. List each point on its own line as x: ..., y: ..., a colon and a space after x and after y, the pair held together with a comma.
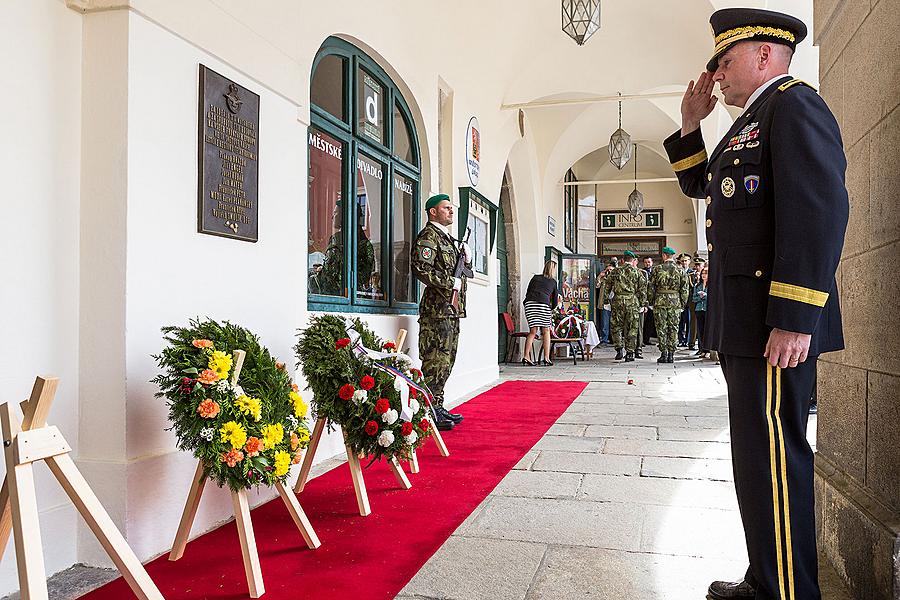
x: 402, y: 382
x: 567, y: 322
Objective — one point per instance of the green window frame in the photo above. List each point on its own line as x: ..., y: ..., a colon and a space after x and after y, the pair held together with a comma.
x: 570, y: 210
x: 356, y: 141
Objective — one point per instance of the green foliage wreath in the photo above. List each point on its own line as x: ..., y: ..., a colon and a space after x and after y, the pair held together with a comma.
x: 357, y: 393
x: 246, y: 435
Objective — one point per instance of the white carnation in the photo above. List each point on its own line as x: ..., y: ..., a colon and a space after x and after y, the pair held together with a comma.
x: 238, y: 391
x: 411, y: 438
x: 223, y: 385
x: 360, y: 396
x: 386, y: 438
x: 414, y: 405
x: 390, y: 417
x: 398, y: 384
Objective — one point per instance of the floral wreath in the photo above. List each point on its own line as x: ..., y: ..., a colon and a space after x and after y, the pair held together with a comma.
x: 246, y: 435
x: 375, y: 396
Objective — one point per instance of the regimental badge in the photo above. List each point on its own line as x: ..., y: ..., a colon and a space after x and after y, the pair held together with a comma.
x: 728, y: 187
x: 426, y: 253
x: 751, y: 183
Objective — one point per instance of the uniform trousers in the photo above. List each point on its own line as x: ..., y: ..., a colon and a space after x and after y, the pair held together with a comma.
x: 438, y: 339
x: 768, y: 409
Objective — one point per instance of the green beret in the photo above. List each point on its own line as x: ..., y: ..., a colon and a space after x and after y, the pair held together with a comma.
x: 435, y: 200
x: 630, y: 254
x: 668, y: 250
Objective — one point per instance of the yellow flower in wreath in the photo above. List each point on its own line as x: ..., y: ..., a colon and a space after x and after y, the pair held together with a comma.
x: 300, y: 407
x: 282, y: 463
x: 233, y: 433
x: 249, y: 406
x: 220, y: 363
x: 272, y: 435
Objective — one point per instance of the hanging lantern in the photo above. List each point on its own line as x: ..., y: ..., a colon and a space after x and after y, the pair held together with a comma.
x: 580, y: 19
x: 635, y: 198
x: 620, y: 144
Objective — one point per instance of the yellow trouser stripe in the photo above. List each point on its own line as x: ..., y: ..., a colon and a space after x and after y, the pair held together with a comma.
x: 690, y: 161
x: 800, y: 294
x: 775, y: 495
x: 784, y: 487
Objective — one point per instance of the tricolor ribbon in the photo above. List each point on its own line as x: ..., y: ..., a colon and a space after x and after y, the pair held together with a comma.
x: 402, y: 382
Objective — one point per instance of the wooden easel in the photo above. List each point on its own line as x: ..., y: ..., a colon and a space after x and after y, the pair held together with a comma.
x: 31, y: 441
x: 241, y: 507
x: 359, y: 484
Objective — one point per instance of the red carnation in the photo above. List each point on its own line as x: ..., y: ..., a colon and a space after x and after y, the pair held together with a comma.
x: 342, y: 343
x: 346, y: 391
x: 406, y: 429
x: 371, y: 427
x: 367, y: 382
x: 389, y: 345
x: 382, y: 406
x: 424, y: 424
x: 416, y: 372
x: 413, y: 393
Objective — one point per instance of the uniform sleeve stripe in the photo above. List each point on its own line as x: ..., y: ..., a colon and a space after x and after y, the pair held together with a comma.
x: 690, y: 161
x: 797, y: 293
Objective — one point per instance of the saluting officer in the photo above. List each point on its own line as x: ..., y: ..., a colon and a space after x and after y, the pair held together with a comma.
x: 434, y: 257
x: 777, y: 208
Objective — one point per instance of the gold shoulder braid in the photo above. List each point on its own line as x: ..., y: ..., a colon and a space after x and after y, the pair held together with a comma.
x: 792, y: 82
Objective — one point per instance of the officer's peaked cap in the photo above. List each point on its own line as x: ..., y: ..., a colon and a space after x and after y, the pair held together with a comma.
x: 733, y: 25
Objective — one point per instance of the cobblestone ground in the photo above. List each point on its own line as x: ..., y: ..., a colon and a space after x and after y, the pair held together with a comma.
x: 628, y: 495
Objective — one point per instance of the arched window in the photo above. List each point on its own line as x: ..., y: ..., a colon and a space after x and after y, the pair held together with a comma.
x: 364, y: 176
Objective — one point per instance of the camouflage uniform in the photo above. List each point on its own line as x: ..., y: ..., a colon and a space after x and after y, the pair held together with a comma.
x: 629, y: 287
x: 433, y: 260
x: 668, y: 294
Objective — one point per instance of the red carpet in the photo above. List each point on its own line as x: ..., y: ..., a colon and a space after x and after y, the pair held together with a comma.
x: 374, y: 556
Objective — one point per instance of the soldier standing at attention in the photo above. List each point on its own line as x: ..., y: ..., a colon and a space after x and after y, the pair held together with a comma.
x: 777, y: 211
x: 434, y: 257
x: 630, y: 294
x: 668, y: 295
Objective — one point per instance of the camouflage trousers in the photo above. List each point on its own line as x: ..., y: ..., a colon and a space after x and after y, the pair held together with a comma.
x: 666, y: 319
x: 624, y: 324
x: 438, y: 339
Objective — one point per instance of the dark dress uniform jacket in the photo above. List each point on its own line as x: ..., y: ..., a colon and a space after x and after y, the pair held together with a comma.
x: 776, y: 211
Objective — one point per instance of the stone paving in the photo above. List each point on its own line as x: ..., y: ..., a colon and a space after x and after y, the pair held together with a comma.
x: 628, y: 495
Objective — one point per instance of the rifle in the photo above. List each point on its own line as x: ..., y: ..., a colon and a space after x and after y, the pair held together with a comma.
x: 461, y: 270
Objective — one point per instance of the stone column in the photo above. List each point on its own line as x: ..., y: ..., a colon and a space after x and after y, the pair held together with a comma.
x: 858, y: 460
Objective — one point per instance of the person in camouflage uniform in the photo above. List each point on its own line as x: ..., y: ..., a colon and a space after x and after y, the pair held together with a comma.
x: 629, y: 287
x: 433, y: 259
x: 668, y: 295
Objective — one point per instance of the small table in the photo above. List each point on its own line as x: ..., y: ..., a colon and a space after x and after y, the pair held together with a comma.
x: 591, y: 339
x: 576, y: 347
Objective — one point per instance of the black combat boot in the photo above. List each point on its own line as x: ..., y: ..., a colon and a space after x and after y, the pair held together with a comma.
x: 663, y: 357
x: 670, y: 356
x: 620, y: 354
x: 629, y: 356
x: 455, y: 417
x: 638, y: 353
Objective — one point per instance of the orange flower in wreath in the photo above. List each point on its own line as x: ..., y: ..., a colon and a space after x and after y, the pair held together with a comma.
x: 295, y: 441
x: 208, y: 409
x: 207, y: 377
x: 298, y: 456
x: 232, y: 457
x: 202, y: 344
x: 253, y: 446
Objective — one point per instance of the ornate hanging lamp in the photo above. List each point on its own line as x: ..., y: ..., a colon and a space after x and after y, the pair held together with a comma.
x: 580, y: 19
x: 635, y: 198
x: 620, y: 144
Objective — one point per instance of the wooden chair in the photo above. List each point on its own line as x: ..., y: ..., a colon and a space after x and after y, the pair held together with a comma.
x: 512, y: 337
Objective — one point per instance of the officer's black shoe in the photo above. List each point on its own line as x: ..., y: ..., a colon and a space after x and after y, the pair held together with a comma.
x: 814, y: 409
x: 443, y: 424
x: 629, y: 356
x: 620, y: 354
x: 725, y: 590
x: 446, y: 414
x: 638, y: 353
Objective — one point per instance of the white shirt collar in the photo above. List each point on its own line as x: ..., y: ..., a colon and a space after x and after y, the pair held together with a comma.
x: 759, y: 92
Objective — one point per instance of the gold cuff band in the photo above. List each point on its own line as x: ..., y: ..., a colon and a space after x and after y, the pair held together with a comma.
x: 798, y: 294
x: 690, y: 161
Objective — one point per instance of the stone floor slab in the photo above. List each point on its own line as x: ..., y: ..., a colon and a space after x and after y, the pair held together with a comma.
x: 526, y: 461
x: 568, y: 443
x: 539, y: 484
x: 693, y: 435
x: 566, y: 429
x: 477, y: 568
x: 654, y: 490
x: 650, y: 421
x: 620, y: 431
x: 687, y: 468
x: 577, y: 523
x: 697, y: 532
x: 579, y: 462
x: 668, y: 448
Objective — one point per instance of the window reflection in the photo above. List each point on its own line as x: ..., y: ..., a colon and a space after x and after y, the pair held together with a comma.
x: 404, y: 232
x: 326, y: 238
x: 369, y: 178
x: 402, y: 139
x: 327, y: 90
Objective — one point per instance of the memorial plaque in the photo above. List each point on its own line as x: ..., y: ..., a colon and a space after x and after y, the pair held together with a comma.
x: 228, y: 170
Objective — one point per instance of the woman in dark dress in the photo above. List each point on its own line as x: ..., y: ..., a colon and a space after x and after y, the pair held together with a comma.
x: 540, y: 299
